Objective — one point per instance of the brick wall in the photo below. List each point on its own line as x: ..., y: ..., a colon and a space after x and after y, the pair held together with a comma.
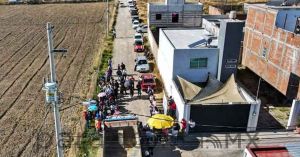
x: 282, y: 51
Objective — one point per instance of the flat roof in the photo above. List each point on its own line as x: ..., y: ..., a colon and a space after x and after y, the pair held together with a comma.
x: 287, y: 150
x: 182, y: 38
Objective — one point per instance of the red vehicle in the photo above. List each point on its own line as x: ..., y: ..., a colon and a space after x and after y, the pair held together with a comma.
x: 139, y: 46
x: 148, y: 80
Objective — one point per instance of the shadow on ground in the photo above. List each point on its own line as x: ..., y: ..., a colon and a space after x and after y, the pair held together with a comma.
x: 269, y: 96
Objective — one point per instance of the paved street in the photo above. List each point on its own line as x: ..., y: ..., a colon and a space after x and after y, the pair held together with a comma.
x: 123, y: 52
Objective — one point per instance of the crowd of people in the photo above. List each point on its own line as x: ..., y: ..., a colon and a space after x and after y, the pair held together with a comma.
x: 150, y: 137
x: 106, y: 103
x: 110, y: 90
x: 106, y: 106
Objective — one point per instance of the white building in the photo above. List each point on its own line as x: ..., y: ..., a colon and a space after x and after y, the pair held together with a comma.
x: 185, y: 52
x: 174, y: 13
x: 193, y: 54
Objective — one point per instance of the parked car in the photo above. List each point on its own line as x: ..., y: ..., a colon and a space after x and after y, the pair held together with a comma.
x: 131, y: 6
x: 141, y: 64
x: 134, y: 12
x: 122, y: 5
x: 130, y: 2
x: 138, y: 36
x: 148, y: 80
x: 142, y: 29
x: 135, y: 17
x: 135, y: 24
x: 139, y: 46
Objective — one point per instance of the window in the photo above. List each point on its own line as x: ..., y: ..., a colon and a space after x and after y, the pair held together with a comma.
x: 197, y: 63
x: 175, y: 17
x: 158, y: 16
x: 231, y: 60
x: 264, y: 52
x: 230, y: 66
x: 148, y: 81
x: 142, y: 62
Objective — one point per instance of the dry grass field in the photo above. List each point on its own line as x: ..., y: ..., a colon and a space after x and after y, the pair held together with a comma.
x: 27, y: 126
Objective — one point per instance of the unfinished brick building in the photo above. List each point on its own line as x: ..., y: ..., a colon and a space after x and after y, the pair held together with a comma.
x: 272, y: 46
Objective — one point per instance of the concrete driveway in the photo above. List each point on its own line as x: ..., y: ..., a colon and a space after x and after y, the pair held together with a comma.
x: 123, y: 52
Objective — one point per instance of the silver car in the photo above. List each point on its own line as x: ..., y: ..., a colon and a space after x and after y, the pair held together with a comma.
x: 135, y: 24
x: 141, y: 64
x: 142, y: 29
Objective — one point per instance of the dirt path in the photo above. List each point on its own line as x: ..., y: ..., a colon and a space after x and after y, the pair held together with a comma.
x: 26, y: 129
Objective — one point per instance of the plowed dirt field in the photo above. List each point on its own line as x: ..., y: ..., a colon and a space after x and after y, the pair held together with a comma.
x: 26, y: 125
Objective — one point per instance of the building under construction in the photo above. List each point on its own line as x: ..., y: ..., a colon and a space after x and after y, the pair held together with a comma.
x: 271, y: 45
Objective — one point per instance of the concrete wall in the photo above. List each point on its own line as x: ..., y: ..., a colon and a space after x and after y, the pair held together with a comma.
x: 182, y: 63
x: 189, y: 15
x: 165, y: 59
x: 182, y: 109
x: 294, y: 115
x: 230, y: 38
x: 209, y: 26
x: 153, y: 44
x: 253, y: 116
x: 281, y: 66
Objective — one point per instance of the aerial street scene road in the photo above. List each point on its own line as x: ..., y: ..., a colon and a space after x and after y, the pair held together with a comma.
x: 150, y: 78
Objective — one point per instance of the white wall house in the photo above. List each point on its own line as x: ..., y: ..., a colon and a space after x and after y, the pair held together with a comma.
x: 187, y: 53
x: 184, y: 52
x: 174, y: 13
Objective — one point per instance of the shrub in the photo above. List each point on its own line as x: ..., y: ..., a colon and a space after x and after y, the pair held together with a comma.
x: 153, y: 29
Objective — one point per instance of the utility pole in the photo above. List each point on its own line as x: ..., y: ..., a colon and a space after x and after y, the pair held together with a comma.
x: 107, y: 18
x: 52, y: 96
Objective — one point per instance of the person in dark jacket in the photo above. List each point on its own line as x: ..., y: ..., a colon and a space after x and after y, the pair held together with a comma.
x: 123, y: 66
x: 139, y: 89
x: 116, y: 89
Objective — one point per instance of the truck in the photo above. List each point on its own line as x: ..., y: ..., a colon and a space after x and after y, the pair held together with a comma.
x: 121, y: 137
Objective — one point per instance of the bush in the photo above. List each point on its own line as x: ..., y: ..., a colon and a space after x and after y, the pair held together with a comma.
x: 153, y: 29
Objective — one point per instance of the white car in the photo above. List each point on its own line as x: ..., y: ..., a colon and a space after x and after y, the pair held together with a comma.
x: 130, y: 2
x: 142, y: 29
x: 135, y: 24
x: 141, y: 64
x: 138, y: 36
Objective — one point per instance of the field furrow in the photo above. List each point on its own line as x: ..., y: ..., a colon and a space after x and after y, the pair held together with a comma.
x: 24, y: 62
